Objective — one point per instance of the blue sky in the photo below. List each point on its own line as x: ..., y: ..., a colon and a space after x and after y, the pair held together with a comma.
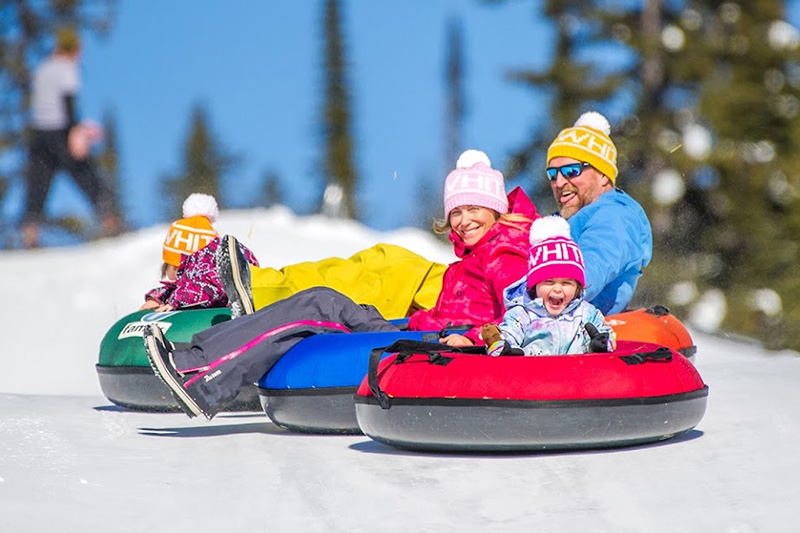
x: 257, y: 67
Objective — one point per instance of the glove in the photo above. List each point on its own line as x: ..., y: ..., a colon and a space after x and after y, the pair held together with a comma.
x: 599, y: 341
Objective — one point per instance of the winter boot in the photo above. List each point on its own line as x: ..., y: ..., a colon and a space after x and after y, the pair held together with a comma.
x: 158, y: 333
x: 160, y: 357
x: 233, y: 271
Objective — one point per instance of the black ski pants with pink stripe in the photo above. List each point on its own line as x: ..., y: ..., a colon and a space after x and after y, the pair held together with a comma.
x: 238, y: 352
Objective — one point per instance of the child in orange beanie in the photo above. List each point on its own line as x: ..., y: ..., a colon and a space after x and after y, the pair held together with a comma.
x: 189, y: 277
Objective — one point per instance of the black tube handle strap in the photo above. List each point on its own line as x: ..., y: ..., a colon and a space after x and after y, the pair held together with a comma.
x: 662, y: 354
x: 405, y: 349
x: 372, y: 377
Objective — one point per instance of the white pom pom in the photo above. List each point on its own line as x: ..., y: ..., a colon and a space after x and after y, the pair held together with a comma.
x: 594, y: 120
x: 201, y: 204
x: 548, y: 227
x: 470, y: 157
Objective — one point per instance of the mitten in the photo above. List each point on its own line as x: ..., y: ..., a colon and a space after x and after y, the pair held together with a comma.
x: 599, y: 341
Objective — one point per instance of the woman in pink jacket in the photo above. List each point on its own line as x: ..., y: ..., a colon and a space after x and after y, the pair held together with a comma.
x: 492, y: 251
x: 489, y: 231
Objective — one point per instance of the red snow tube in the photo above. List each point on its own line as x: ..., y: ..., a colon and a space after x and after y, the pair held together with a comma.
x: 423, y: 399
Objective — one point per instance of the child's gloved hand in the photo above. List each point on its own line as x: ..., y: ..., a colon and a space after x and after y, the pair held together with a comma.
x: 599, y: 341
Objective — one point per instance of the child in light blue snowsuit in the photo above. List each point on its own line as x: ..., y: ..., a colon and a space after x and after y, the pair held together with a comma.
x: 545, y: 312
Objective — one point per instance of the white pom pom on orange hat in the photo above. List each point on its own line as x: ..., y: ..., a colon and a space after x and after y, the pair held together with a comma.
x: 194, y: 231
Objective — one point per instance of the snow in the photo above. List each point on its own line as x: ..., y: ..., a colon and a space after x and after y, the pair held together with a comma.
x: 783, y: 36
x: 668, y: 187
x: 71, y: 461
x: 697, y: 141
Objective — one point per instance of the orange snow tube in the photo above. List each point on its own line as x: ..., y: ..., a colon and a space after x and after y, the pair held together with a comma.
x: 653, y: 324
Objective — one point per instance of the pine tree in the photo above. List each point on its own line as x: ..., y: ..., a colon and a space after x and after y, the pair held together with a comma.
x: 108, y: 162
x: 752, y: 101
x: 272, y: 191
x: 454, y: 82
x: 573, y: 83
x: 340, y: 171
x: 205, y: 163
x: 707, y: 143
x: 427, y: 191
x: 719, y: 122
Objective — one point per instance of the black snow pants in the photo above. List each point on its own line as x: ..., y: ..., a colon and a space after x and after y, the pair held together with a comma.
x: 237, y: 353
x: 49, y: 154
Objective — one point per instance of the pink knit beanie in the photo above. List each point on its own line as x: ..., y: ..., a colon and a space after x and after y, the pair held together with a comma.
x: 553, y: 252
x: 475, y: 182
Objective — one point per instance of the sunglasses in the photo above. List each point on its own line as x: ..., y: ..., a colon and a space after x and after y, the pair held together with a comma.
x: 570, y: 171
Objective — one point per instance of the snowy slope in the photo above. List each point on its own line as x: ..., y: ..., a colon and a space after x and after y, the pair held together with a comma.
x: 70, y: 461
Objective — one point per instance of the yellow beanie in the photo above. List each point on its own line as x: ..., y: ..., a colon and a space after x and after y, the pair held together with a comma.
x: 588, y: 141
x: 186, y: 236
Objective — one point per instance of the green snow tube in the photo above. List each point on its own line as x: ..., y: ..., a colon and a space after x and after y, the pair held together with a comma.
x: 124, y: 372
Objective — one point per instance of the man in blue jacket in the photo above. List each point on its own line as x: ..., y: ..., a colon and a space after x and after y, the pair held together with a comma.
x: 610, y: 227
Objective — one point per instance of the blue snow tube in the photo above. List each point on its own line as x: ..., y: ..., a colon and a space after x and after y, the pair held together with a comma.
x: 311, y: 388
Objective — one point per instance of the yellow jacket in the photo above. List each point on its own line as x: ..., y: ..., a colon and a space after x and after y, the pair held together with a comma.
x: 395, y: 280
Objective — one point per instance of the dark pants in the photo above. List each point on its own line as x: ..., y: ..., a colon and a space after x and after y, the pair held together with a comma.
x: 238, y: 352
x: 49, y: 154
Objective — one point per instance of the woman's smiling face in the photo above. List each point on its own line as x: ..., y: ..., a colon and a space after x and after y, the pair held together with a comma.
x: 471, y: 222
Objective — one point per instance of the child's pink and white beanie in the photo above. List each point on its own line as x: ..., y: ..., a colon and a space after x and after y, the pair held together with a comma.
x: 553, y: 253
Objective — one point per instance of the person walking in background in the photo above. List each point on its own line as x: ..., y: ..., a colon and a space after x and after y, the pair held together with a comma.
x: 609, y: 226
x: 60, y: 142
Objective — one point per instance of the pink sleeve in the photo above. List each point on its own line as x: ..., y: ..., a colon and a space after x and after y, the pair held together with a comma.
x: 474, y: 335
x: 159, y: 294
x: 507, y: 266
x: 422, y: 320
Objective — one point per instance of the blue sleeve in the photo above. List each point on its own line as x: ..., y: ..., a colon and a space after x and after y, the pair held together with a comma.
x: 609, y: 245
